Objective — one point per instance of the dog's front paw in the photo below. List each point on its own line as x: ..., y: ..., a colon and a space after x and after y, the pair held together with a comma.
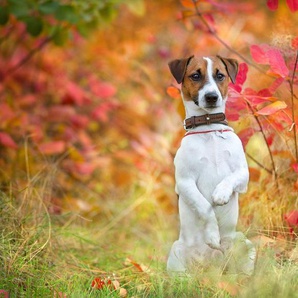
x: 222, y: 194
x: 212, y: 237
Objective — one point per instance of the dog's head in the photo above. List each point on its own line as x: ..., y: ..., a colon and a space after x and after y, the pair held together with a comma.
x: 204, y: 80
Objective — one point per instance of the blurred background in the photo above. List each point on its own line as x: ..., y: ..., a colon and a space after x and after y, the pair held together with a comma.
x: 90, y: 117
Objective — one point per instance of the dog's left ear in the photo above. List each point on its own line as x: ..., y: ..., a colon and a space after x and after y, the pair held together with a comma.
x: 231, y: 67
x: 178, y: 68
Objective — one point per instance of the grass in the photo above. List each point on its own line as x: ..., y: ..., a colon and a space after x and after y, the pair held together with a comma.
x: 43, y: 255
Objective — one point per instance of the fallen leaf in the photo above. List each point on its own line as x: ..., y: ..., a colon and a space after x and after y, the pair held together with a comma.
x: 123, y: 292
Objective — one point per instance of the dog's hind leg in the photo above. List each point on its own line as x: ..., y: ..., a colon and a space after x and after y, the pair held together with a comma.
x: 177, y: 258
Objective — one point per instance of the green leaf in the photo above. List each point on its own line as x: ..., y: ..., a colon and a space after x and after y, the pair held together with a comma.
x: 34, y: 25
x: 19, y: 8
x: 108, y: 13
x: 4, y: 15
x: 67, y: 13
x: 49, y: 7
x: 60, y: 36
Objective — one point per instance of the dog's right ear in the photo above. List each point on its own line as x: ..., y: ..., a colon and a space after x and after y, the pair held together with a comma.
x: 178, y: 68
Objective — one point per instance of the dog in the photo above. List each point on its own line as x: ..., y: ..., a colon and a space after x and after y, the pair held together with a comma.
x: 210, y: 171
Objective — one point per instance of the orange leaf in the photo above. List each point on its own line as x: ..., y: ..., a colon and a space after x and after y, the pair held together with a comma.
x: 254, y: 174
x: 187, y: 3
x: 272, y: 108
x: 174, y: 92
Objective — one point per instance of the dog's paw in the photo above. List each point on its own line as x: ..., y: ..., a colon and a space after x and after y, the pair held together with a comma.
x: 222, y: 194
x: 212, y: 237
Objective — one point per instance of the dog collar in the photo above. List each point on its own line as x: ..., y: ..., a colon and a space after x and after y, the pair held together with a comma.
x: 196, y: 121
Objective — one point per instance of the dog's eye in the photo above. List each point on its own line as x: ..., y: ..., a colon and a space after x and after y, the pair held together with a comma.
x: 220, y: 76
x: 195, y: 76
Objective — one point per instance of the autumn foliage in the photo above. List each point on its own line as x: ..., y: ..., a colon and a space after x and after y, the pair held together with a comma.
x: 93, y: 106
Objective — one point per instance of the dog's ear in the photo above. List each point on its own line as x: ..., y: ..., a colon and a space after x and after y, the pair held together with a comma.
x: 178, y: 68
x: 231, y: 67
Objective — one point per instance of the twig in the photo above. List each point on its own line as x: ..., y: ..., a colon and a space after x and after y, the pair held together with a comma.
x: 291, y: 82
x: 13, y: 69
x: 258, y: 163
x: 265, y: 139
x: 6, y: 35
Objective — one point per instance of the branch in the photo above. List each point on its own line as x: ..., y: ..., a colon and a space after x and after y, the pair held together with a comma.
x: 213, y: 33
x: 259, y: 164
x: 265, y: 139
x: 24, y: 60
x: 291, y: 82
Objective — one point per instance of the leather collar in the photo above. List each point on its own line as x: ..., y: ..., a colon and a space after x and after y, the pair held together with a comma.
x: 195, y: 121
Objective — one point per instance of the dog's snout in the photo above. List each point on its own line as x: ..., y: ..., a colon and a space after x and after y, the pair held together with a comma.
x: 211, y: 97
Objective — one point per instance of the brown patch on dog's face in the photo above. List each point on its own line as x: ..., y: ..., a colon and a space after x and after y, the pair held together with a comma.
x: 196, y: 77
x: 217, y: 69
x: 191, y: 85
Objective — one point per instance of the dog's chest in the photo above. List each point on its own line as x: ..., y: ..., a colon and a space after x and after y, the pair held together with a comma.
x: 209, y: 154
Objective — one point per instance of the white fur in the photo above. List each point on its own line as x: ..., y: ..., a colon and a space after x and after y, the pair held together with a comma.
x: 211, y: 170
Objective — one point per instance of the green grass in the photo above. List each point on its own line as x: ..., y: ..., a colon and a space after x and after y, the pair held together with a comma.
x: 43, y: 254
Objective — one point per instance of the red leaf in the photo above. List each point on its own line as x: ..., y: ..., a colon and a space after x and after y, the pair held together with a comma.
x: 242, y: 74
x: 7, y: 141
x: 272, y: 108
x: 103, y: 90
x: 74, y: 94
x: 292, y: 218
x: 295, y: 167
x: 277, y: 63
x: 245, y: 135
x: 272, y: 4
x: 293, y: 5
x: 264, y: 54
x: 5, y: 293
x: 55, y: 147
x: 98, y: 283
x: 276, y: 84
x: 265, y: 93
x: 258, y: 53
x: 79, y: 121
x: 295, y: 43
x: 270, y: 139
x: 60, y: 113
x: 85, y: 168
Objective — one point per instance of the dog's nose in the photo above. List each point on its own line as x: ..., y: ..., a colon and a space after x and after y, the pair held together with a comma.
x: 211, y: 97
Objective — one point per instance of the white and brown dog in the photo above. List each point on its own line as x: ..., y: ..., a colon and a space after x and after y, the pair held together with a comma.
x: 210, y: 170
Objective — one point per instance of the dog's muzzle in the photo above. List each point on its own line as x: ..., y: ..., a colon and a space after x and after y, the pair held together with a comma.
x: 211, y: 98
